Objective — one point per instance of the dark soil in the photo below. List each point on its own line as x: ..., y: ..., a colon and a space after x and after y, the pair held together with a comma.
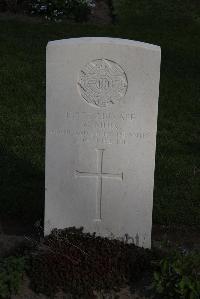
x: 186, y: 237
x: 82, y: 263
x: 27, y: 293
x: 101, y: 13
x: 13, y: 233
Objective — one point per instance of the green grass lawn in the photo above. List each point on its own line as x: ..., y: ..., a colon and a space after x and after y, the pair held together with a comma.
x: 22, y: 111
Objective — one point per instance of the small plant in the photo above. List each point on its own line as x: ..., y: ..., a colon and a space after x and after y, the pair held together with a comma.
x: 11, y: 274
x: 178, y: 276
x: 56, y: 10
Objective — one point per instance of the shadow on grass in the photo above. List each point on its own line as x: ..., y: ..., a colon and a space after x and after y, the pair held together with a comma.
x: 22, y: 190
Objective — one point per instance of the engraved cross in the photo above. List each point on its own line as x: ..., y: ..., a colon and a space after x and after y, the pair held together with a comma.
x: 99, y: 175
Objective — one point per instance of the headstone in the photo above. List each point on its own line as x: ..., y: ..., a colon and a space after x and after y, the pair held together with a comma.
x: 102, y: 101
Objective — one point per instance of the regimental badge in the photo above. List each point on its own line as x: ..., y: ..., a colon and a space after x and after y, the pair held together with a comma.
x: 102, y: 82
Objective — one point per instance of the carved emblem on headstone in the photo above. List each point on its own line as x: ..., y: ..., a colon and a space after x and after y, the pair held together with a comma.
x: 102, y: 82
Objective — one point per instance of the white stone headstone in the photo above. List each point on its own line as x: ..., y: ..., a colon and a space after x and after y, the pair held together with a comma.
x: 102, y: 101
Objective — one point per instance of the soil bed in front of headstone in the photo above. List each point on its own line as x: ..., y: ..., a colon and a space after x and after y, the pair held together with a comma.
x: 59, y: 264
x: 83, y: 264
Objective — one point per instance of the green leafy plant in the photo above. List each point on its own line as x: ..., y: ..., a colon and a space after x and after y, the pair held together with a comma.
x: 55, y: 10
x: 178, y: 276
x: 11, y: 274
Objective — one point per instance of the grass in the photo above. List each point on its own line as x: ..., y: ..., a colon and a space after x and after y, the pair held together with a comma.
x: 22, y: 110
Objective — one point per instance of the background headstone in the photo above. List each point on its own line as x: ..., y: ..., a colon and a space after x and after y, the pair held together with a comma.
x: 102, y: 101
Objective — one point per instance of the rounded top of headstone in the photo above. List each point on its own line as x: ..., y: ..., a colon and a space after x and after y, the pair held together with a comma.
x: 104, y: 40
x: 102, y: 82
